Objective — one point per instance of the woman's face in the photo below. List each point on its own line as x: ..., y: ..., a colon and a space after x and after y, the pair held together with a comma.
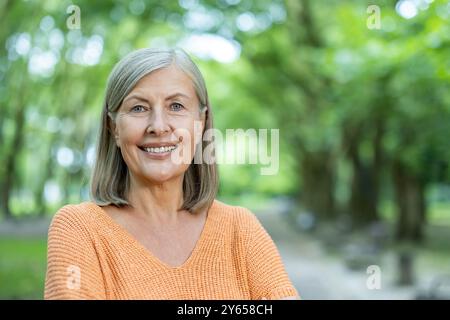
x: 158, y: 120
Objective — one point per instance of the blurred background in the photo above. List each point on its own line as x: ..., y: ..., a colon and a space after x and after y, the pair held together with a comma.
x: 360, y: 207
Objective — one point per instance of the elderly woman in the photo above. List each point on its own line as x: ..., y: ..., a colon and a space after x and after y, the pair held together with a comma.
x: 154, y: 229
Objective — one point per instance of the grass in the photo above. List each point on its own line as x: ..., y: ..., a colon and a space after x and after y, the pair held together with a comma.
x: 22, y: 268
x: 438, y: 213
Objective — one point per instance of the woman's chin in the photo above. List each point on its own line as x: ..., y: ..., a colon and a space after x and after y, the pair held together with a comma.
x: 160, y: 177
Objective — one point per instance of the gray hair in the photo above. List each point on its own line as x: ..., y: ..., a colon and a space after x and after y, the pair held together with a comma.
x: 110, y: 176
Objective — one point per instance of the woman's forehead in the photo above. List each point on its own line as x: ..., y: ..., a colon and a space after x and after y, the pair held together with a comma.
x: 170, y: 80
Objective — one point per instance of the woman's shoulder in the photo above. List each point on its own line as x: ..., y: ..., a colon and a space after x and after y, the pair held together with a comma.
x: 74, y: 216
x: 242, y: 218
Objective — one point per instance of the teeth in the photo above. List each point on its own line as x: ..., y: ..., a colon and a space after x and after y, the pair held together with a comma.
x: 160, y: 149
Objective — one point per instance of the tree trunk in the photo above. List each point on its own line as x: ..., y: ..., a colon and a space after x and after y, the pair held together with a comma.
x: 364, y: 198
x: 41, y: 207
x: 411, y: 205
x: 11, y: 161
x: 317, y: 193
x: 363, y: 202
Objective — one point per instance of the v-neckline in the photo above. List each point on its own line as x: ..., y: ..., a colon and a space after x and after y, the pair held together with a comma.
x: 125, y: 233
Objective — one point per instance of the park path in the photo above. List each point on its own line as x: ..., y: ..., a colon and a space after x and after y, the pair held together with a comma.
x: 316, y: 275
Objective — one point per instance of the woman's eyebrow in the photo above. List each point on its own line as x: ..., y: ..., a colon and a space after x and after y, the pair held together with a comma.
x: 177, y: 94
x: 139, y: 97
x: 134, y: 96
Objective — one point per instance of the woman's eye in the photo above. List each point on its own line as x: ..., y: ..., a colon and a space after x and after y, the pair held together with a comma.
x: 138, y: 108
x: 176, y: 107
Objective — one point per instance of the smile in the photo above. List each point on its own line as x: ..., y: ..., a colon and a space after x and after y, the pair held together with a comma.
x: 159, y: 150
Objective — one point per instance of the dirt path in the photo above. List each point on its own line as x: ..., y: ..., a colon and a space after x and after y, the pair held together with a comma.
x: 319, y: 276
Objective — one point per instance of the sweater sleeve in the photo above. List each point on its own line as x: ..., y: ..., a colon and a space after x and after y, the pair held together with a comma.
x: 267, y: 276
x: 73, y: 269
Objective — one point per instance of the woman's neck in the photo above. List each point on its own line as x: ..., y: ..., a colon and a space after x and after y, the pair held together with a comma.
x: 156, y: 201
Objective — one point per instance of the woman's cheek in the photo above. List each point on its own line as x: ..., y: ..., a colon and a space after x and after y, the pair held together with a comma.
x: 130, y: 133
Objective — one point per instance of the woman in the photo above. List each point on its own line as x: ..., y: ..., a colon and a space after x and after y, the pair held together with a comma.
x: 153, y: 229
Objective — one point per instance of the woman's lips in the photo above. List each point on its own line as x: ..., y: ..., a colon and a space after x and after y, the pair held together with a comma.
x: 158, y: 153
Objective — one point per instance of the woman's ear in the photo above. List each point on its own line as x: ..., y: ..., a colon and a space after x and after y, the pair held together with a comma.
x: 203, y: 117
x: 199, y: 126
x: 113, y: 127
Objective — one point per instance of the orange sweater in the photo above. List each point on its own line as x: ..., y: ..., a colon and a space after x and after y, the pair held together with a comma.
x: 90, y: 256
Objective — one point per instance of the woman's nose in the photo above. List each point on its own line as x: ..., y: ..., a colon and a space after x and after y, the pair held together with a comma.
x: 158, y: 122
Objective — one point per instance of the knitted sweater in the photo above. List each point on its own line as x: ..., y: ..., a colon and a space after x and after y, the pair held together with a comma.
x: 91, y: 256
